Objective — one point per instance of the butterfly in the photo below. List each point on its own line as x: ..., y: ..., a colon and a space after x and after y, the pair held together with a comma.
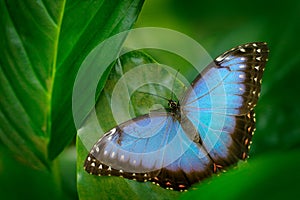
x: 204, y: 133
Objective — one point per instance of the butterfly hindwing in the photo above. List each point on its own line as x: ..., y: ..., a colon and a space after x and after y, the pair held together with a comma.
x: 150, y: 148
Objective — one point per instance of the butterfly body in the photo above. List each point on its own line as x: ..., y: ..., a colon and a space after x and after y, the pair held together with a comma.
x: 207, y: 131
x: 174, y: 109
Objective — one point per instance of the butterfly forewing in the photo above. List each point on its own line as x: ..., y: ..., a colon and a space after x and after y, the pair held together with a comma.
x: 210, y: 130
x: 224, y: 107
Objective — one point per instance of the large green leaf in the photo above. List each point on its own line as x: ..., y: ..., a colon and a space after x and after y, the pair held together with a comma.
x: 42, y: 46
x: 89, y: 186
x: 101, y: 20
x: 29, y: 34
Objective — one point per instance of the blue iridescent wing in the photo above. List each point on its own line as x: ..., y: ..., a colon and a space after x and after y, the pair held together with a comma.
x: 150, y: 148
x: 221, y: 100
x: 214, y: 129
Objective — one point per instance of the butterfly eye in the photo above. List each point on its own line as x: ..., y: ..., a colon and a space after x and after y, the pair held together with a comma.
x: 172, y: 104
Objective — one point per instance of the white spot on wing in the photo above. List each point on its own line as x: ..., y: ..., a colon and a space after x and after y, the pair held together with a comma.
x: 242, y: 50
x: 112, y: 131
x: 112, y: 155
x: 242, y: 66
x: 220, y: 58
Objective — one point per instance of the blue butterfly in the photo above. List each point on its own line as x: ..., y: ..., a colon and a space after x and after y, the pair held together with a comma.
x: 207, y: 131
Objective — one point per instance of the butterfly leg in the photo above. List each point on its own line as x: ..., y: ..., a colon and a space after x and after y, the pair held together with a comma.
x: 217, y: 168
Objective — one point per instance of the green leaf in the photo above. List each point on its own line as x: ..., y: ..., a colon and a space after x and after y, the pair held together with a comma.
x: 89, y: 186
x: 42, y: 46
x: 85, y: 24
x: 28, y: 37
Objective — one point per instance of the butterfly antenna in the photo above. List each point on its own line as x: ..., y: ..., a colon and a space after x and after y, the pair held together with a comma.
x: 155, y: 95
x: 172, y: 91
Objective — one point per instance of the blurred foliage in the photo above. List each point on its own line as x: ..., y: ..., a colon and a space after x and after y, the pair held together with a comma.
x: 20, y: 181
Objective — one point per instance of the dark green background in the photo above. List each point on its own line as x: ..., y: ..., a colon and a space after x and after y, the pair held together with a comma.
x: 272, y: 172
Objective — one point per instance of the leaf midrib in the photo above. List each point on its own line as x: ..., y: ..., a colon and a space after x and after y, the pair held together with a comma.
x: 53, y: 70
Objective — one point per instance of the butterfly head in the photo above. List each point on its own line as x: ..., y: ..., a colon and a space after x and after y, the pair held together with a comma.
x: 174, y: 108
x: 173, y: 105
